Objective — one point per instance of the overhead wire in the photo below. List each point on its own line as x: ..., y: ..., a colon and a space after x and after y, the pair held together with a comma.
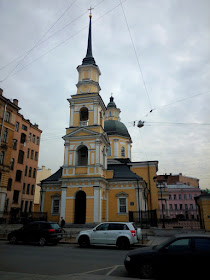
x: 38, y: 41
x: 64, y: 41
x: 137, y: 58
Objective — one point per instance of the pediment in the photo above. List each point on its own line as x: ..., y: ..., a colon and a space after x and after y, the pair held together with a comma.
x: 80, y: 132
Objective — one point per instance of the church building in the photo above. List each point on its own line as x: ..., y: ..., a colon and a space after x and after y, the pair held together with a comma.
x: 98, y: 181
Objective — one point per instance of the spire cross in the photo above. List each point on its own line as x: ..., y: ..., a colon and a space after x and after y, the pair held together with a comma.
x: 90, y: 11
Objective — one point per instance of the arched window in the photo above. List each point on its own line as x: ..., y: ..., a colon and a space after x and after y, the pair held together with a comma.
x: 82, y: 156
x: 83, y: 116
x: 122, y: 152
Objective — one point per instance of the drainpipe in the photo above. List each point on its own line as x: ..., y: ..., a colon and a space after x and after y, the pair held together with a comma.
x: 149, y: 186
x: 2, y: 125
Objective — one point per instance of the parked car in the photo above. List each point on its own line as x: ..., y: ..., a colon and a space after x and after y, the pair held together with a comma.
x: 110, y: 233
x: 40, y: 231
x: 180, y: 255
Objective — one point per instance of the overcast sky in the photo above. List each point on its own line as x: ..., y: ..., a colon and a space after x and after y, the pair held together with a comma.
x: 153, y: 55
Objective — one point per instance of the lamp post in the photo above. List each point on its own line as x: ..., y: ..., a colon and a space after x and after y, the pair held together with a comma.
x: 161, y: 184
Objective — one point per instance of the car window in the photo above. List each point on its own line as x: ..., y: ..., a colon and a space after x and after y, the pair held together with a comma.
x: 55, y: 226
x: 179, y: 245
x: 103, y: 227
x: 202, y: 245
x: 118, y: 227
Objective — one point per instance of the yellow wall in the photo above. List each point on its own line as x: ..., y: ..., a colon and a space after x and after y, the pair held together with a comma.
x: 147, y: 173
x: 204, y: 204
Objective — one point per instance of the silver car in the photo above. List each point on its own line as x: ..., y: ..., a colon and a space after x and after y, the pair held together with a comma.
x: 120, y: 234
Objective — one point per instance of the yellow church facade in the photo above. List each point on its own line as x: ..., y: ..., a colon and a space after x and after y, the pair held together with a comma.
x: 98, y: 181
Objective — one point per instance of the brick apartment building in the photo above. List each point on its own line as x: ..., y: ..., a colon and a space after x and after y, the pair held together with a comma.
x: 22, y: 164
x: 8, y: 112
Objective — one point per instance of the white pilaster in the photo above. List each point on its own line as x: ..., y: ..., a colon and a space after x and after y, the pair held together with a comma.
x: 95, y: 114
x: 96, y: 204
x: 128, y: 149
x: 116, y: 148
x: 72, y: 115
x: 63, y: 202
x: 66, y: 153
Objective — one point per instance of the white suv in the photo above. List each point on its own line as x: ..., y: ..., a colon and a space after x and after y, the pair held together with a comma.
x: 110, y: 233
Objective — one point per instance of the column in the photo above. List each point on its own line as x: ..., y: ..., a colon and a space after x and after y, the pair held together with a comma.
x: 98, y: 151
x: 128, y: 148
x: 66, y: 153
x: 72, y: 115
x: 95, y: 114
x: 63, y: 202
x: 116, y: 148
x: 42, y: 192
x: 96, y: 204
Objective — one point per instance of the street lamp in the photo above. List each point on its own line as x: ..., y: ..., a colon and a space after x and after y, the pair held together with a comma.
x: 161, y: 184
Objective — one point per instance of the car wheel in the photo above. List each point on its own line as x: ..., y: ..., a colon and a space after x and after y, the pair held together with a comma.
x: 84, y: 241
x: 146, y: 271
x: 123, y: 243
x: 42, y: 241
x: 12, y: 239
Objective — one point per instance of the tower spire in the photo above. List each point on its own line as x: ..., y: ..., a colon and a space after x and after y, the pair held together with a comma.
x: 89, y: 56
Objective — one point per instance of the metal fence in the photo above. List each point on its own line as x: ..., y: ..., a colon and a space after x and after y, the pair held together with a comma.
x: 16, y: 217
x: 188, y: 219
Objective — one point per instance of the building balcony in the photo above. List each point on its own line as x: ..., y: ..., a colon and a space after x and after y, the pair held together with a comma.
x: 83, y: 123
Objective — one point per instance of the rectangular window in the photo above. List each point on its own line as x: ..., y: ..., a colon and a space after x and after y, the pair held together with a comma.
x: 29, y: 136
x: 36, y: 156
x: 175, y: 206
x: 180, y: 206
x: 30, y: 206
x: 28, y: 152
x: 15, y: 196
x: 32, y: 189
x: 122, y: 205
x: 24, y: 127
x: 20, y: 157
x: 190, y: 196
x: 37, y: 140
x: 1, y: 157
x: 169, y: 197
x: 33, y: 138
x: 21, y: 205
x: 56, y: 203
x: 23, y: 138
x: 28, y: 189
x: 185, y: 196
x: 26, y: 206
x: 34, y: 173
x: 174, y: 196
x: 180, y: 196
x: 170, y: 206
x: 5, y: 134
x: 7, y: 118
x: 12, y: 162
x: 17, y: 126
x: 24, y: 188
x: 14, y: 144
x: 191, y: 206
x: 26, y: 170
x: 9, y: 184
x: 18, y: 175
x: 186, y: 207
x: 32, y: 154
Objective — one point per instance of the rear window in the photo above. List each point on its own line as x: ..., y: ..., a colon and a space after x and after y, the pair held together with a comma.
x: 54, y: 226
x: 202, y: 245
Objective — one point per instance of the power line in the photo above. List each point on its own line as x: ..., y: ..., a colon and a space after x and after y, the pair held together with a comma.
x: 136, y: 56
x: 38, y: 41
x: 64, y: 41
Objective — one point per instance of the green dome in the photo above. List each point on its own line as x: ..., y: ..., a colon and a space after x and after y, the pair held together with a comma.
x: 111, y: 103
x: 116, y: 128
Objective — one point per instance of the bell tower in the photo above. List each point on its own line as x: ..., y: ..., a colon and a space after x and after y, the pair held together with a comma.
x: 86, y: 143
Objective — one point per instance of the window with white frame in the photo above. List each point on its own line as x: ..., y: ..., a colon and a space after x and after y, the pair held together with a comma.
x: 122, y: 152
x: 55, y: 209
x: 122, y: 203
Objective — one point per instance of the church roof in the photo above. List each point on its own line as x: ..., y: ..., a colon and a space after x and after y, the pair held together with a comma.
x: 113, y: 127
x: 111, y: 103
x: 123, y: 172
x: 89, y: 59
x: 54, y: 177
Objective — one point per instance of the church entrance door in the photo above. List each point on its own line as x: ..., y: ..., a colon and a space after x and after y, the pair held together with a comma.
x: 80, y: 208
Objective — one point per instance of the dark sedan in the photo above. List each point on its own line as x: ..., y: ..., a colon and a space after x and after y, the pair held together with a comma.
x: 180, y: 255
x: 39, y: 232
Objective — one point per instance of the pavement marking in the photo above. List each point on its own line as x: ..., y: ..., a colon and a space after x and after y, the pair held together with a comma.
x: 113, y: 269
x: 98, y: 269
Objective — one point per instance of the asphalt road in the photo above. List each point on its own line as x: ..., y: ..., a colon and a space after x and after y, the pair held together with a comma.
x: 61, y: 259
